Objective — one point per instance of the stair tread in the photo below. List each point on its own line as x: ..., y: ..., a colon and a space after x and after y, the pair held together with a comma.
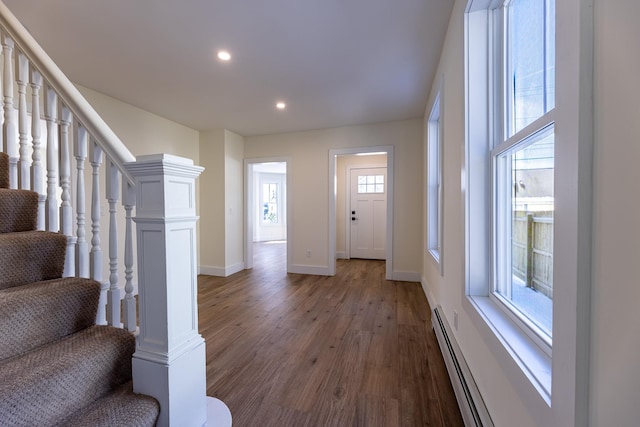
x: 31, y: 256
x: 38, y: 313
x: 54, y: 380
x: 123, y: 407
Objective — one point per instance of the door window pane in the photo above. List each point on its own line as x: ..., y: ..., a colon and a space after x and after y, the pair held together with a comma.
x: 370, y: 184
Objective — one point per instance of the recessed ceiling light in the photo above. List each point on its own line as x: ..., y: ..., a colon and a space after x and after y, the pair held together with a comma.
x: 281, y: 105
x: 223, y: 55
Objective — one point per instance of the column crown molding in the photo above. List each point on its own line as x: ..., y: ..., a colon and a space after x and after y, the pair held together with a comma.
x: 163, y: 164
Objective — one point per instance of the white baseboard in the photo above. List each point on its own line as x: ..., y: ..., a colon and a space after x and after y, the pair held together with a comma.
x: 341, y: 255
x: 220, y: 271
x: 309, y: 269
x: 406, y: 276
x: 233, y: 269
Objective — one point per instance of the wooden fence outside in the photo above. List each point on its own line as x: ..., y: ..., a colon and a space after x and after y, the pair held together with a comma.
x: 532, y: 250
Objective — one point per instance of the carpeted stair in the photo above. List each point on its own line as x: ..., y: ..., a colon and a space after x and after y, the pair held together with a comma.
x: 57, y: 368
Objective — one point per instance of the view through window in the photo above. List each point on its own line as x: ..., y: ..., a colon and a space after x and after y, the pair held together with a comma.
x: 524, y: 165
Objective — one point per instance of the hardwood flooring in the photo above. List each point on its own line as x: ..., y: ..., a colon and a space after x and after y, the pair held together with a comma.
x: 297, y: 350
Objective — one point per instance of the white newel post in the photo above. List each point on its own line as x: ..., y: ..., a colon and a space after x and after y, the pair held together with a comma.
x: 169, y: 363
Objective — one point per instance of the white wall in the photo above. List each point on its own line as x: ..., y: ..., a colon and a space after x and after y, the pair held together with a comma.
x: 615, y: 317
x: 212, y: 196
x: 222, y: 202
x: 309, y: 154
x: 615, y: 339
x: 144, y: 132
x: 234, y: 201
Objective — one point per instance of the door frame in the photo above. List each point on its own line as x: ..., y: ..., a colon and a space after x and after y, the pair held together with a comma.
x: 333, y: 160
x: 348, y: 201
x: 249, y: 207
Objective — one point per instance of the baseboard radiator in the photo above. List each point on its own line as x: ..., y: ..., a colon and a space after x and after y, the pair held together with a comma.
x: 472, y: 407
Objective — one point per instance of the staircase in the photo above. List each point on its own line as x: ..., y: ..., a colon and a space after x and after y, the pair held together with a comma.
x: 73, y: 348
x: 56, y: 366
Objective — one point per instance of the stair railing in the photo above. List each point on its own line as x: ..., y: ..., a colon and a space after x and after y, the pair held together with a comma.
x: 42, y: 135
x: 46, y: 125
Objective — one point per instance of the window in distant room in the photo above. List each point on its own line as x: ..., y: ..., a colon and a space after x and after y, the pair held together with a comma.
x: 270, y: 203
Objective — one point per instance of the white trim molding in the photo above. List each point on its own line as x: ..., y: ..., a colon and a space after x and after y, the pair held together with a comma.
x: 309, y: 269
x: 221, y: 271
x: 406, y: 276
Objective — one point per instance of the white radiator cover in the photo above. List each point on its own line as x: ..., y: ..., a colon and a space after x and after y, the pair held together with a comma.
x: 472, y: 407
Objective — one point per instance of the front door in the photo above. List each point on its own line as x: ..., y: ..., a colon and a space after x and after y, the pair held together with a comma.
x: 368, y: 213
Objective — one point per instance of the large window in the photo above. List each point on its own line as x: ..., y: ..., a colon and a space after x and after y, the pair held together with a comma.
x: 511, y: 176
x: 434, y: 182
x: 523, y: 164
x: 527, y: 185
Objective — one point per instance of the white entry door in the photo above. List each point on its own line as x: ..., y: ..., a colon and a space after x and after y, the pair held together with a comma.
x: 368, y: 213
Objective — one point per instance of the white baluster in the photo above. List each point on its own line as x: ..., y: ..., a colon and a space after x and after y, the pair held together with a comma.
x: 37, y: 178
x: 96, y: 251
x: 9, y: 133
x: 2, y: 144
x: 51, y: 116
x: 129, y: 303
x: 66, y: 211
x: 113, y: 295
x: 23, y: 122
x: 82, y: 248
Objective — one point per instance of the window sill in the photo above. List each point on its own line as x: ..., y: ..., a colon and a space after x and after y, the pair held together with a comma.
x: 534, y: 363
x: 435, y: 255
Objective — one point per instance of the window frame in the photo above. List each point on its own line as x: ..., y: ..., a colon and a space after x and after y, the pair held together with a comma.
x: 503, y: 136
x: 553, y: 387
x: 435, y: 181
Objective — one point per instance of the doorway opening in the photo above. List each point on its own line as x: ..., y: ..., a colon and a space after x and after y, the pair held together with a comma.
x: 267, y: 211
x: 361, y: 205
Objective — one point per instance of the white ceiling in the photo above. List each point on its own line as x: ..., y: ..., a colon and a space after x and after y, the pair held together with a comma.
x: 334, y: 62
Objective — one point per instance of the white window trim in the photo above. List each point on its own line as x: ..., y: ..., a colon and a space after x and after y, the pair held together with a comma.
x: 435, y: 139
x: 554, y: 388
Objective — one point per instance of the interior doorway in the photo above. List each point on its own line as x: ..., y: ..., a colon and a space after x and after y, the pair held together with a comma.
x: 340, y: 211
x: 266, y: 205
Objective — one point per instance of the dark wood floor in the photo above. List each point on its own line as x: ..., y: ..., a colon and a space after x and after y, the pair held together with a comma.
x: 297, y: 350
